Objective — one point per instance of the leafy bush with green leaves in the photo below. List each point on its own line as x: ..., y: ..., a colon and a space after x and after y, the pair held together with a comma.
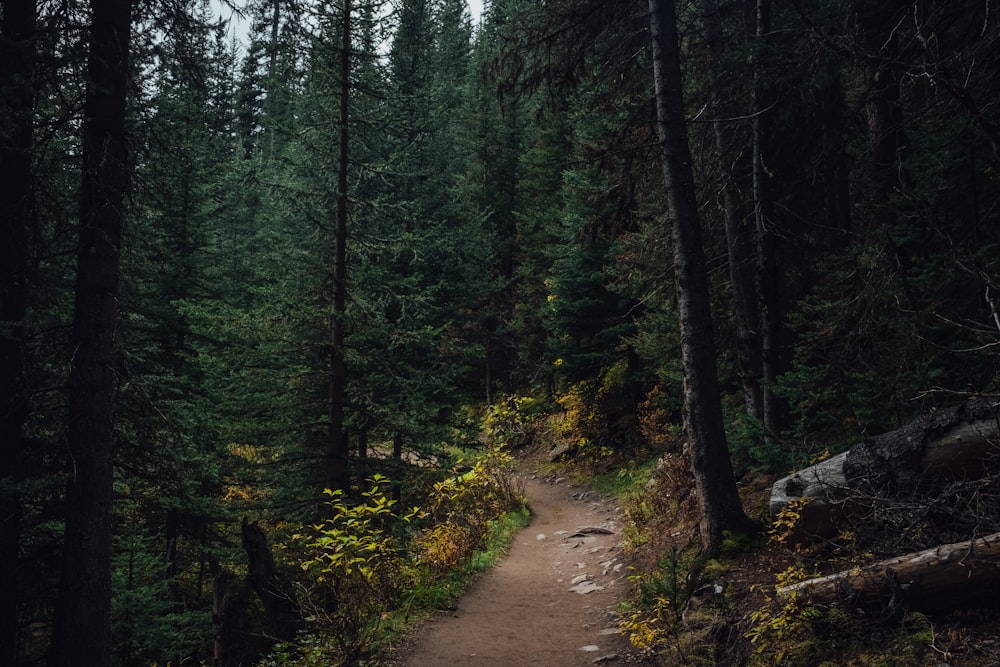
x: 511, y: 421
x: 355, y: 568
x: 461, y: 507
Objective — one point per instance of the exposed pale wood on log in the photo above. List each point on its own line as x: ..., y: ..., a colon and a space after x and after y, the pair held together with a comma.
x: 936, y: 578
x: 822, y: 482
x: 943, y: 445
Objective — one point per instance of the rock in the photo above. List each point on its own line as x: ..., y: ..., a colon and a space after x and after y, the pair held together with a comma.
x: 585, y: 587
x: 590, y: 648
x: 590, y: 530
x: 611, y: 657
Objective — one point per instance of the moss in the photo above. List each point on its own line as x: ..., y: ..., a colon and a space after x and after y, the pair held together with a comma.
x: 715, y: 569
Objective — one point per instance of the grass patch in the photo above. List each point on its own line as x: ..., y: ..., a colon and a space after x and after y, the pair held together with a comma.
x: 627, y: 479
x: 502, y: 533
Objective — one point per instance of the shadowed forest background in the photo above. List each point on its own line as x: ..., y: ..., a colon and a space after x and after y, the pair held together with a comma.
x: 372, y: 247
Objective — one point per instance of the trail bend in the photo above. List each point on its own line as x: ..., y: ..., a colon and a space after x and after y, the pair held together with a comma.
x: 550, y: 602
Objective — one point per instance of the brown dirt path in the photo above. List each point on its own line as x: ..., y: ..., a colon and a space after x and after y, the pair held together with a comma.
x: 534, y: 608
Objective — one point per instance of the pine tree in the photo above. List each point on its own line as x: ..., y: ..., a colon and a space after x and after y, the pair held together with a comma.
x: 82, y: 624
x: 18, y: 222
x: 496, y: 137
x: 718, y: 496
x: 166, y: 419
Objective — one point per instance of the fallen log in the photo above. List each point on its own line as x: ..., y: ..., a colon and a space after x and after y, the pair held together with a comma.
x: 943, y: 445
x: 822, y: 485
x: 945, y: 576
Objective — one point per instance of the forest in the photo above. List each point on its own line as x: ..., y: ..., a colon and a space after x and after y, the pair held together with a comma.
x: 287, y: 285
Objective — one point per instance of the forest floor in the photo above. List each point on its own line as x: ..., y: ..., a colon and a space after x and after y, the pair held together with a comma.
x: 552, y: 601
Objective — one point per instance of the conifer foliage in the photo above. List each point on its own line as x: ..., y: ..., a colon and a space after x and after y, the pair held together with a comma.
x: 248, y: 258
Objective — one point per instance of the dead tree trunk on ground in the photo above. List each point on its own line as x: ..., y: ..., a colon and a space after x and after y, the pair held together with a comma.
x: 944, y: 445
x: 933, y: 579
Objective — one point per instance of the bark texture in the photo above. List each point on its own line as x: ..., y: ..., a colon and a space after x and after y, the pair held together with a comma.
x: 740, y: 236
x: 933, y: 579
x: 231, y: 623
x: 82, y: 623
x: 282, y: 616
x: 17, y: 219
x: 338, y: 476
x: 769, y: 278
x: 947, y: 444
x: 239, y: 634
x: 713, y: 473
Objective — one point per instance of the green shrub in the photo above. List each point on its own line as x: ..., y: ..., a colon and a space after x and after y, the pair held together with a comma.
x: 355, y: 568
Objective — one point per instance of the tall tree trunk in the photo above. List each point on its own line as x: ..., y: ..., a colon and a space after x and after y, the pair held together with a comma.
x: 82, y: 623
x: 17, y: 219
x: 719, y: 500
x: 768, y: 270
x: 338, y: 477
x: 740, y: 237
x: 877, y: 23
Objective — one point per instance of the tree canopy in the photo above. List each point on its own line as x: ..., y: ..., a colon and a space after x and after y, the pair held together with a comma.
x: 238, y: 270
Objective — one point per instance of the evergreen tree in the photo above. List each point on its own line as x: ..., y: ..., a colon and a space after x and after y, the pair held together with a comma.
x: 18, y: 222
x: 167, y: 421
x: 82, y: 624
x: 497, y: 137
x: 718, y: 497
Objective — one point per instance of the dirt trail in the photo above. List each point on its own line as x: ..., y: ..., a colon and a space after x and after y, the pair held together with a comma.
x: 550, y: 602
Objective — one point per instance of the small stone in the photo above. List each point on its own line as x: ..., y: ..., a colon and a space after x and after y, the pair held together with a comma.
x: 541, y: 536
x: 590, y: 648
x: 585, y: 587
x: 611, y: 657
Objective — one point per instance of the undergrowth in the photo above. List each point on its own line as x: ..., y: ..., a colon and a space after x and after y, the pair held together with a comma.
x: 371, y: 570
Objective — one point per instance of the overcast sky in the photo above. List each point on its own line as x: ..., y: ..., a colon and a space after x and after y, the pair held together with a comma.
x: 239, y: 28
x: 476, y: 8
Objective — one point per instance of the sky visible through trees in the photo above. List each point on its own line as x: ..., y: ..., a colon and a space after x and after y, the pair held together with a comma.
x: 239, y: 29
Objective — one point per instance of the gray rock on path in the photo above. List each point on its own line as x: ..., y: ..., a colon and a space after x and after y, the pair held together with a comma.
x: 590, y: 530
